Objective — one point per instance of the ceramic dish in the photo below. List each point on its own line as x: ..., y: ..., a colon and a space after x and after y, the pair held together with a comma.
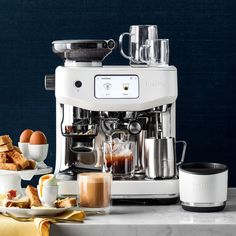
x: 33, y: 211
x: 28, y: 174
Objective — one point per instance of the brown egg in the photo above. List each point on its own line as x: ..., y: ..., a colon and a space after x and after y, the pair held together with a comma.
x: 38, y: 137
x: 25, y: 136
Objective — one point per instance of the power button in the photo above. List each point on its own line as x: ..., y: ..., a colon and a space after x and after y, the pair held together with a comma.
x: 78, y: 84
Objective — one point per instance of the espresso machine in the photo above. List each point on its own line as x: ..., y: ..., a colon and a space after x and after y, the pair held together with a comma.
x: 94, y: 102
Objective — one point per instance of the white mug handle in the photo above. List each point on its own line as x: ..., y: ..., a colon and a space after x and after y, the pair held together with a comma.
x: 143, y: 51
x: 121, y: 46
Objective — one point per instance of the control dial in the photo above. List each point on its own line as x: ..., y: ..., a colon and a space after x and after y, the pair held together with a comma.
x: 134, y: 127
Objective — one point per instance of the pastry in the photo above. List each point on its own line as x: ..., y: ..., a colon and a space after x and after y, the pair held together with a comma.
x: 11, y: 157
x: 66, y: 202
x: 9, y: 166
x: 17, y: 149
x: 31, y: 166
x: 3, y: 157
x: 6, y: 147
x: 21, y: 203
x: 18, y: 159
x: 32, y: 193
x: 4, y: 139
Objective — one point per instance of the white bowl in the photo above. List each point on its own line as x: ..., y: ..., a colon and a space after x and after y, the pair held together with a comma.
x: 24, y: 147
x: 38, y: 152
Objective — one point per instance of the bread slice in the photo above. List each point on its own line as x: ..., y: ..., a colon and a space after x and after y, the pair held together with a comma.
x: 32, y: 193
x: 6, y: 147
x: 66, y: 202
x: 3, y: 157
x: 17, y: 149
x: 21, y: 203
x: 9, y: 166
x: 31, y: 166
x: 4, y: 139
x: 18, y: 159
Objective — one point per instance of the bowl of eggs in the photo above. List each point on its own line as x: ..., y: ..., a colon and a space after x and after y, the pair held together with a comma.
x: 33, y: 145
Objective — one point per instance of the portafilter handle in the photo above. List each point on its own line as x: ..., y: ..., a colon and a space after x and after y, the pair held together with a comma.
x: 183, y: 152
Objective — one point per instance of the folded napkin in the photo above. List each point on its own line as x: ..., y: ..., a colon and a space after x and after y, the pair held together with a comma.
x: 43, y: 224
x: 9, y: 226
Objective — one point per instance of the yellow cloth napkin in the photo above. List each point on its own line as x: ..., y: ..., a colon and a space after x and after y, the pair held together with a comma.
x: 43, y: 224
x: 10, y: 227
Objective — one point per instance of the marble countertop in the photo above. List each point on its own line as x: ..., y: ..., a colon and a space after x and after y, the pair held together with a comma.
x: 169, y: 220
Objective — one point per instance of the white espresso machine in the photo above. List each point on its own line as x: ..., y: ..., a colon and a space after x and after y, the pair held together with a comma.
x: 94, y: 101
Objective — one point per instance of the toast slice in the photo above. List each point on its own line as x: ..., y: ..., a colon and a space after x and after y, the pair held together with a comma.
x: 17, y: 149
x: 9, y: 166
x: 6, y: 147
x: 32, y: 193
x: 4, y: 139
x: 18, y: 159
x: 31, y: 166
x: 67, y: 202
x: 3, y: 157
x: 21, y: 203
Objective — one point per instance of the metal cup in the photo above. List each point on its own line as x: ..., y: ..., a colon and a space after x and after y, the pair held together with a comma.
x: 160, y: 157
x: 138, y: 35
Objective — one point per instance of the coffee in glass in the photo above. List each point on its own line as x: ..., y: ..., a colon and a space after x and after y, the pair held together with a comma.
x: 95, y: 191
x: 119, y: 158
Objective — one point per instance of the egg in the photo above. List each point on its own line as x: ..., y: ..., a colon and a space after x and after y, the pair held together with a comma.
x: 25, y: 135
x: 46, y: 180
x: 38, y: 137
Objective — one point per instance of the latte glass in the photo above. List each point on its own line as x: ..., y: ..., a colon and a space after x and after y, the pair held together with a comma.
x: 95, y: 191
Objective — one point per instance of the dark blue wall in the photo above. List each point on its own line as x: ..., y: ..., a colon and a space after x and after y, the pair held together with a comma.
x: 202, y: 43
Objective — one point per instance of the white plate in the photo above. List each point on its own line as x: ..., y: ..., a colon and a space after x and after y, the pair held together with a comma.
x: 34, y: 211
x: 28, y: 174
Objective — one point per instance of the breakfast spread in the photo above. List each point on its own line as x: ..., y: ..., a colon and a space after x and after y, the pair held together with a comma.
x: 11, y: 158
x: 32, y: 198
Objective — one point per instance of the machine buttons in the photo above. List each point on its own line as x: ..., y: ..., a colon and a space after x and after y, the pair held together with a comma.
x: 126, y: 87
x: 107, y: 86
x: 78, y: 84
x: 134, y: 127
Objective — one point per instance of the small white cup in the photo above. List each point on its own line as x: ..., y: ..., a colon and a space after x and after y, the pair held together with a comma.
x: 39, y: 152
x: 49, y: 195
x: 24, y: 147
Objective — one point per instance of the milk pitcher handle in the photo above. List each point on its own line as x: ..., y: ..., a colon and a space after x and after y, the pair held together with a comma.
x: 183, y: 152
x: 121, y: 46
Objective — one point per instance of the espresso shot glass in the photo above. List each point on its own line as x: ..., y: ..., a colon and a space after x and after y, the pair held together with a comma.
x: 95, y: 191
